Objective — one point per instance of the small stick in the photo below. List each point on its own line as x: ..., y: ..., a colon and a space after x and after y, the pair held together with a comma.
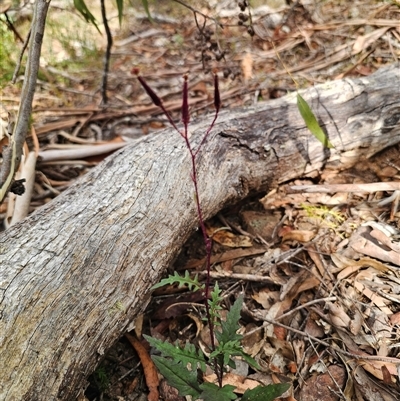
x: 326, y: 188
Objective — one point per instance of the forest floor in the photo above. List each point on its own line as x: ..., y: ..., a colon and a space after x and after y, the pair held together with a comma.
x: 291, y: 255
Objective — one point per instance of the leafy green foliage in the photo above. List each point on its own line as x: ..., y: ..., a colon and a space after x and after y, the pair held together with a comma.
x: 212, y: 392
x: 81, y: 6
x: 229, y: 340
x: 101, y: 379
x: 146, y: 9
x: 231, y: 325
x: 179, y: 365
x: 215, y: 305
x: 192, y: 283
x: 186, y: 355
x: 8, y: 48
x: 120, y: 6
x: 267, y: 393
x: 311, y: 121
x: 178, y: 376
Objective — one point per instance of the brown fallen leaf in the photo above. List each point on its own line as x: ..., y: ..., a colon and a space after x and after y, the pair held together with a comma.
x: 299, y: 235
x: 227, y: 238
x: 150, y: 370
x: 362, y: 42
x: 324, y: 386
x: 240, y: 382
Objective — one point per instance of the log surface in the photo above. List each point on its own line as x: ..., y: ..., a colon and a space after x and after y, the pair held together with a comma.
x: 74, y: 275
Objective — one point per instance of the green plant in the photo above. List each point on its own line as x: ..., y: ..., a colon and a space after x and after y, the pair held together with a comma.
x: 328, y: 217
x: 8, y: 49
x: 101, y: 379
x: 179, y: 365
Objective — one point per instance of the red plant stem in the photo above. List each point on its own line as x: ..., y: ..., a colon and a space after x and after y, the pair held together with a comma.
x: 218, y: 368
x: 208, y: 245
x: 207, y: 240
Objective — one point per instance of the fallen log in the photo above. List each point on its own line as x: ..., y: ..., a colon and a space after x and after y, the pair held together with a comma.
x: 75, y: 273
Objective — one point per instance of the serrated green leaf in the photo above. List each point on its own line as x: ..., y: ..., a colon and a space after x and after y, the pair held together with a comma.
x: 120, y: 6
x: 215, y: 305
x: 81, y: 6
x: 186, y: 355
x: 231, y: 325
x: 192, y: 283
x: 211, y: 392
x: 311, y: 121
x: 146, y: 9
x: 267, y: 393
x: 230, y: 349
x: 251, y: 361
x: 184, y: 380
x: 227, y: 350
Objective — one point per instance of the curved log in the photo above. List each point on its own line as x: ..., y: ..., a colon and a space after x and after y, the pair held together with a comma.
x: 76, y: 273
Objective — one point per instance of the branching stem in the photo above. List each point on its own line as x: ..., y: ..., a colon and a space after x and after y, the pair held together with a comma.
x: 218, y: 367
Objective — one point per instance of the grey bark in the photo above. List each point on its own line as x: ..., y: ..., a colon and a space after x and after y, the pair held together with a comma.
x: 11, y: 162
x: 76, y: 273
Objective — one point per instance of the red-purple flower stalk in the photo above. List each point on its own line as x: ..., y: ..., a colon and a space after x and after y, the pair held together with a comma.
x: 185, y: 105
x: 217, y: 105
x: 185, y: 120
x: 154, y: 97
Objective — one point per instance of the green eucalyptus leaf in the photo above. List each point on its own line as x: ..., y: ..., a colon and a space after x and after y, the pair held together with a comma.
x: 311, y: 121
x: 120, y: 6
x: 146, y: 9
x: 81, y: 6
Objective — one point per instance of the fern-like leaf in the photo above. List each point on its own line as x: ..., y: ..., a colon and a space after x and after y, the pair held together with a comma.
x: 178, y: 376
x: 186, y: 355
x: 215, y: 304
x: 211, y: 392
x: 267, y: 393
x: 232, y: 348
x: 231, y: 325
x: 192, y: 283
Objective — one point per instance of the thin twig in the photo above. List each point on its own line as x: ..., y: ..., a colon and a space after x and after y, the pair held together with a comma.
x: 12, y: 27
x: 332, y: 347
x: 21, y: 54
x: 107, y: 55
x: 28, y: 90
x: 314, y: 301
x: 195, y: 11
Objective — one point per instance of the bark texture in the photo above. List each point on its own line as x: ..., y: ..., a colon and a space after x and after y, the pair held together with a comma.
x: 75, y: 274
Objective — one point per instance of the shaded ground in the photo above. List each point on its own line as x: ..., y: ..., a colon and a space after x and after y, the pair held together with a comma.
x: 313, y: 294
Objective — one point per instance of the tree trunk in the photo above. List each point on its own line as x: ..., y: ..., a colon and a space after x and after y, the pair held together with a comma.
x: 76, y: 273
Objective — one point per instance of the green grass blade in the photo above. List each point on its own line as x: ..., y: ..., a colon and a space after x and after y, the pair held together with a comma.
x: 311, y: 122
